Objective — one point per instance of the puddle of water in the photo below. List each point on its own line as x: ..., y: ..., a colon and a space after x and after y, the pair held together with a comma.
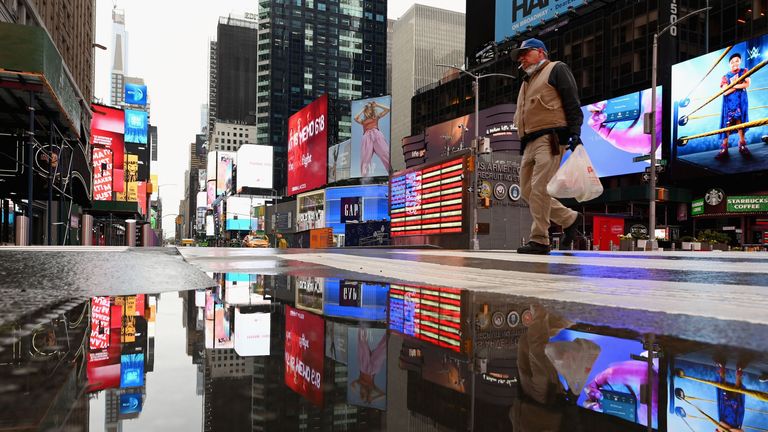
x: 279, y: 352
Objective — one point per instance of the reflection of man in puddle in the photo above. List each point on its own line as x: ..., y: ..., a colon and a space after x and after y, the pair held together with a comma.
x: 538, y: 376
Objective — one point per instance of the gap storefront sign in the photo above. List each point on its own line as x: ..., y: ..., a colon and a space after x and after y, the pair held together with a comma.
x: 355, y: 204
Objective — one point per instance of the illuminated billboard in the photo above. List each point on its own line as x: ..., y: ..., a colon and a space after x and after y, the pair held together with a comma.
x: 309, y: 293
x: 355, y: 204
x: 613, y: 134
x: 252, y: 333
x: 100, y: 315
x: 102, y: 174
x: 239, y: 213
x: 136, y: 126
x: 428, y: 200
x: 310, y: 211
x: 224, y: 162
x: 209, y: 227
x: 339, y: 161
x: 107, y: 128
x: 135, y: 94
x: 519, y: 16
x: 211, y: 166
x: 304, y: 339
x: 371, y: 122
x: 356, y: 300
x: 367, y: 367
x: 308, y: 147
x: 720, y: 108
x: 430, y: 314
x: 131, y: 370
x: 254, y: 166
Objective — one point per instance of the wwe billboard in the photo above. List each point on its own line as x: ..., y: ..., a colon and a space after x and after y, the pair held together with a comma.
x: 308, y: 147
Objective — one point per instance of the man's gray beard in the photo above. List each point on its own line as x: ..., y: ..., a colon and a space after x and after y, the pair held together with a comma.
x: 530, y: 70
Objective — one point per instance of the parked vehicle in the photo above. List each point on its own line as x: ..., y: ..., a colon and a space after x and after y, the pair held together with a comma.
x: 256, y: 240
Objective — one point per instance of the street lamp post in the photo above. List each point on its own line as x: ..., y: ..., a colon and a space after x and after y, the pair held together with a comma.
x: 654, y: 144
x: 473, y: 148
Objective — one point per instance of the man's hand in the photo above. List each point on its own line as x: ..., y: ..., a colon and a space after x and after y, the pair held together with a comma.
x: 573, y: 142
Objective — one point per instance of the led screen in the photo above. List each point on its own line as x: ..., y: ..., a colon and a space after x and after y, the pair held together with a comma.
x: 100, y: 330
x: 136, y: 126
x: 209, y: 227
x: 720, y: 101
x: 427, y: 313
x: 428, y: 200
x: 339, y: 161
x: 371, y: 121
x: 252, y: 332
x: 130, y: 403
x: 254, y: 166
x: 613, y: 384
x: 519, y: 16
x: 613, y: 133
x: 367, y: 367
x: 355, y: 203
x: 708, y: 392
x: 304, y: 338
x: 310, y: 211
x: 224, y: 163
x: 102, y: 174
x: 355, y: 299
x: 107, y: 129
x: 308, y: 147
x: 239, y: 214
x: 222, y: 326
x: 135, y: 94
x: 131, y: 370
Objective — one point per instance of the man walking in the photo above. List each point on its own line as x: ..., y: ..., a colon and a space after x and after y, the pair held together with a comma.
x: 548, y: 119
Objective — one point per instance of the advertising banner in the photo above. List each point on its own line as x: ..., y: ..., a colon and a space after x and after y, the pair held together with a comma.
x: 209, y: 227
x: 254, y: 167
x: 100, y: 315
x: 309, y: 293
x: 136, y: 126
x: 107, y: 129
x: 613, y: 384
x: 211, y: 166
x: 747, y: 204
x: 367, y: 233
x: 224, y: 163
x: 357, y: 300
x: 222, y: 320
x: 697, y: 207
x: 211, y: 193
x: 720, y: 108
x: 142, y: 153
x: 367, y: 367
x: 102, y: 174
x: 239, y: 214
x: 135, y: 94
x: 613, y: 134
x: 252, y: 333
x: 131, y: 370
x: 310, y: 211
x: 336, y: 341
x: 515, y: 16
x: 371, y: 137
x: 131, y: 180
x: 431, y: 314
x: 339, y: 161
x: 351, y: 209
x: 304, y: 338
x: 130, y: 403
x: 202, y: 178
x: 308, y: 147
x: 202, y: 200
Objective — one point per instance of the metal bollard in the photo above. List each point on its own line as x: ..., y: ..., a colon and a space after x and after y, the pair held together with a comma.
x: 86, y: 230
x: 22, y: 233
x: 146, y: 235
x: 130, y: 233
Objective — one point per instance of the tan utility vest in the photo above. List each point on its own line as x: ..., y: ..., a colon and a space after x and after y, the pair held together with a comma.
x: 538, y: 104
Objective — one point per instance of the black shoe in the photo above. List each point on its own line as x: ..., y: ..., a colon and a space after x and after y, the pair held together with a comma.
x: 571, y: 233
x: 534, y: 248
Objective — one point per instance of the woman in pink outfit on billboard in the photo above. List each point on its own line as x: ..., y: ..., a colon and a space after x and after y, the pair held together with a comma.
x: 373, y: 140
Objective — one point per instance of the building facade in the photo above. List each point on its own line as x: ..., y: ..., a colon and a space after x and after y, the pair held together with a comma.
x: 236, y: 48
x: 230, y: 136
x: 309, y: 48
x: 422, y: 38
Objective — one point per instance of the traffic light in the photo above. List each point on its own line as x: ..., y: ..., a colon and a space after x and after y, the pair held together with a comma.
x: 662, y: 194
x: 486, y: 202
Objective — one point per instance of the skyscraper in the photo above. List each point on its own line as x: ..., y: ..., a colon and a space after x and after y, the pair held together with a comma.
x: 119, y: 48
x: 308, y: 48
x: 423, y: 37
x: 236, y: 48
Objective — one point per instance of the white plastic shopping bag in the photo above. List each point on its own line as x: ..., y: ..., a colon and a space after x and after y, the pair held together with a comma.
x: 576, y: 178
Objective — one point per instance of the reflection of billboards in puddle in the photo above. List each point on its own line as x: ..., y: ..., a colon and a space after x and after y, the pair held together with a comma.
x: 613, y: 384
x: 252, y: 332
x: 309, y: 293
x: 367, y: 367
x: 336, y: 341
x: 355, y: 299
x: 701, y: 113
x: 222, y: 329
x: 707, y: 392
x: 241, y: 289
x: 304, y: 340
x: 430, y: 314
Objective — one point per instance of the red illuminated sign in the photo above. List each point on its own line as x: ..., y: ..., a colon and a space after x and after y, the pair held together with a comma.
x: 99, y: 323
x: 429, y: 200
x: 427, y: 313
x: 308, y: 147
x: 107, y: 128
x: 304, y: 339
x: 102, y: 174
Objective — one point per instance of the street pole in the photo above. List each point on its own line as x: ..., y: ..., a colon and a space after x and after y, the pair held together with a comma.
x: 654, y: 144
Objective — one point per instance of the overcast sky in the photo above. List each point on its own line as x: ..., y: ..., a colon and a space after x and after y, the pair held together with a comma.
x: 168, y: 47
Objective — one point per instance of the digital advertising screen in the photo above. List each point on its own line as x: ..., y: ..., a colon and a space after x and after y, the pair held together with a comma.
x: 107, y: 129
x: 224, y: 162
x: 135, y: 94
x: 367, y: 367
x: 131, y: 370
x: 209, y: 226
x: 210, y: 170
x: 514, y: 16
x: 308, y: 147
x: 336, y: 341
x: 357, y: 300
x: 102, y: 174
x: 142, y: 153
x: 354, y: 204
x: 304, y: 339
x: 430, y: 314
x: 222, y: 326
x: 720, y: 108
x: 103, y: 369
x: 244, y: 289
x: 339, y: 161
x: 310, y: 210
x: 252, y: 333
x: 100, y: 330
x: 130, y: 403
x: 708, y: 391
x: 309, y: 293
x: 613, y: 135
x: 371, y: 125
x: 428, y: 200
x: 239, y: 214
x: 613, y: 383
x: 136, y: 126
x: 131, y: 179
x: 254, y: 166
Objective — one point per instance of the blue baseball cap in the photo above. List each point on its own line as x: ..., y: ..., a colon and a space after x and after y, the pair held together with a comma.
x: 528, y: 44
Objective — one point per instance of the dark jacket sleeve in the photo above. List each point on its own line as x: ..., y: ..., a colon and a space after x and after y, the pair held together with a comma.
x: 562, y: 80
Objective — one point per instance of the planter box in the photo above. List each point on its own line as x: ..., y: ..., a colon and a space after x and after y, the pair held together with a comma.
x: 720, y: 247
x: 705, y: 246
x: 691, y: 246
x: 626, y: 245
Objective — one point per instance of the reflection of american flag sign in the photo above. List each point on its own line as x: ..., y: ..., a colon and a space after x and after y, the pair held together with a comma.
x: 428, y: 201
x: 99, y: 323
